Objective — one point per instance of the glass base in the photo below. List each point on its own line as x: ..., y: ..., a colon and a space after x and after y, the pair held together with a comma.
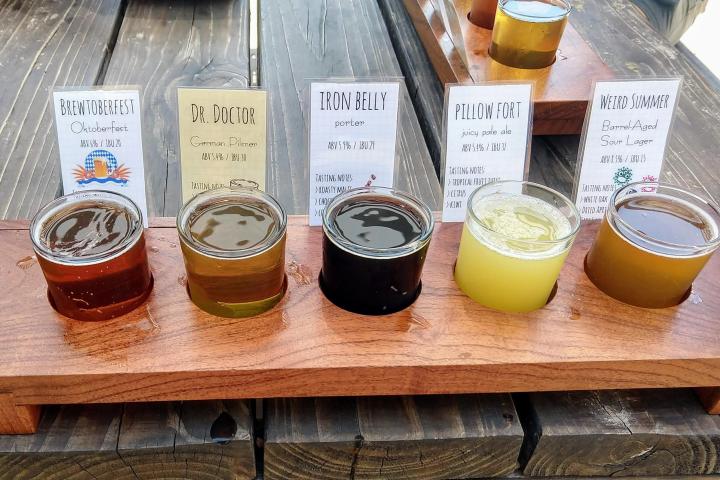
x: 234, y: 310
x: 367, y: 306
x: 107, y: 312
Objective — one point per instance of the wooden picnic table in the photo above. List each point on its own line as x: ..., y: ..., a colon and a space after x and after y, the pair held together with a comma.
x: 162, y: 45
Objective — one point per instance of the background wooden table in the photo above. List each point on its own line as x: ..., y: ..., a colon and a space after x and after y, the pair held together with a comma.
x: 162, y: 45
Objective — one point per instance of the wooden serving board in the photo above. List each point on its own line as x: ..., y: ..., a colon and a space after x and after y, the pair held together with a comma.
x: 444, y: 343
x: 561, y: 91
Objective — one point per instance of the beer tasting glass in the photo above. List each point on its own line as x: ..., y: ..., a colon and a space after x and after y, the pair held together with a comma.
x: 514, y: 243
x: 233, y: 244
x: 91, y: 248
x: 652, y: 243
x: 527, y: 33
x: 375, y: 241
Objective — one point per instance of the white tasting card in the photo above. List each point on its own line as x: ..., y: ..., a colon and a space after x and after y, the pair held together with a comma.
x: 353, y: 131
x: 100, y: 142
x: 487, y: 131
x: 625, y: 136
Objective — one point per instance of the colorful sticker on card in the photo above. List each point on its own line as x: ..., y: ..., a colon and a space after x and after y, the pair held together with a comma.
x: 352, y: 137
x: 487, y: 132
x: 100, y: 142
x: 624, y: 140
x: 223, y: 138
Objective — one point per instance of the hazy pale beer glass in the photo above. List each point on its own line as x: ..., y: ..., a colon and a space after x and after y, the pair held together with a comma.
x: 514, y: 243
x: 233, y: 244
x: 91, y: 248
x: 527, y: 33
x: 652, y: 243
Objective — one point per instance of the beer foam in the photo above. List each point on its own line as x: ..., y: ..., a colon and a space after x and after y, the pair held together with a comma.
x: 519, y: 225
x: 533, y: 11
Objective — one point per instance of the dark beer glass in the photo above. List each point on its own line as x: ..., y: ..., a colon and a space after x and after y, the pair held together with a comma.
x: 91, y: 248
x: 233, y: 244
x: 374, y: 245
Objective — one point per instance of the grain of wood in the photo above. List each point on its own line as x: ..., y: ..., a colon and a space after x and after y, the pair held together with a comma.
x: 425, y: 89
x: 175, y: 440
x: 148, y: 441
x: 43, y: 44
x: 164, y: 45
x: 621, y: 433
x: 317, y: 40
x: 75, y: 442
x: 15, y: 418
x: 433, y: 437
x: 171, y: 350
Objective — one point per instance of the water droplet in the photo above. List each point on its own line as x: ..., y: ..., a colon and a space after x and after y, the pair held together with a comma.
x: 26, y: 262
x: 154, y: 249
x: 419, y: 321
x: 223, y: 429
x: 173, y: 245
x: 301, y: 273
x: 695, y: 299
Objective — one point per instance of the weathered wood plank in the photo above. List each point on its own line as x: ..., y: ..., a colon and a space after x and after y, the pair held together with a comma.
x: 433, y: 437
x: 75, y: 442
x: 43, y: 44
x: 198, y: 440
x: 163, y: 45
x: 620, y: 433
x: 338, y: 38
x: 426, y: 91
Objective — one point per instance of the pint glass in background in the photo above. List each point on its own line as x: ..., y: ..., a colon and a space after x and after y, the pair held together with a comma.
x: 233, y: 245
x: 527, y: 33
x: 652, y: 243
x: 514, y: 243
x: 91, y: 248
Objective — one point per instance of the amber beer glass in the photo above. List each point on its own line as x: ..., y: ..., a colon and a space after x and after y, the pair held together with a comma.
x: 91, y: 248
x: 652, y: 243
x: 233, y: 244
x: 527, y: 33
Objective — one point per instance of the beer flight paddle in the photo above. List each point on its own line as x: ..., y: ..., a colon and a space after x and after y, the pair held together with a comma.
x: 653, y: 242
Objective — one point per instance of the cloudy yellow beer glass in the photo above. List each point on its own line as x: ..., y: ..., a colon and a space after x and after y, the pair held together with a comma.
x: 514, y: 243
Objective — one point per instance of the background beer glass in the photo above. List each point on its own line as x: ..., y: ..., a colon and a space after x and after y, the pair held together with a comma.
x: 527, y: 33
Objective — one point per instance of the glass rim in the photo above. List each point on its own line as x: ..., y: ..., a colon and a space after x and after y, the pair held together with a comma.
x: 576, y: 214
x: 613, y: 215
x: 405, y: 198
x: 57, y: 205
x: 201, y: 198
x: 565, y: 4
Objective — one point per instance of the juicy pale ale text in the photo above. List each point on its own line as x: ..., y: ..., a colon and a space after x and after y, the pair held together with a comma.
x: 650, y: 248
x: 374, y: 248
x: 527, y: 33
x: 92, y: 253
